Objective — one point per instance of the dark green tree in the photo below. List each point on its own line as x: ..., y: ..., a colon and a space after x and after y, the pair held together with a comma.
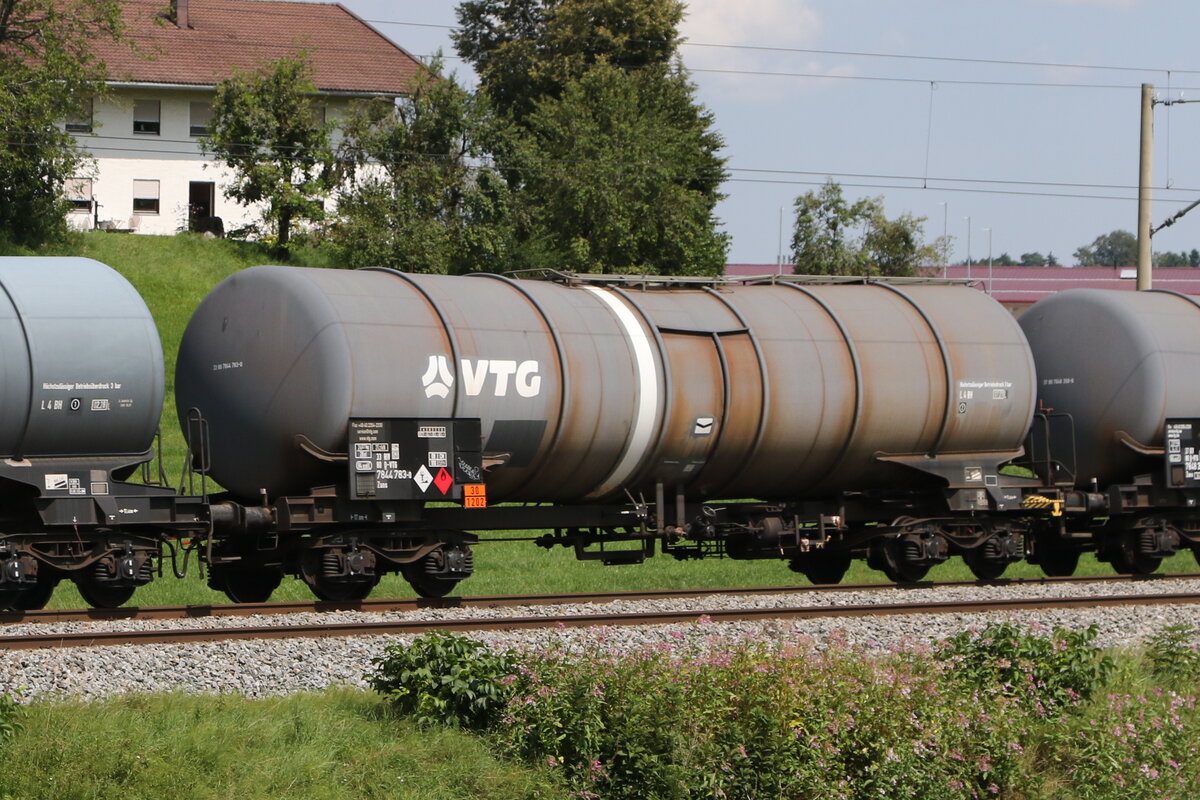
x: 1169, y: 259
x: 423, y: 197
x: 1116, y: 249
x: 47, y: 73
x: 1002, y: 260
x: 1034, y: 259
x: 1194, y: 258
x: 609, y: 179
x: 612, y: 163
x: 834, y: 237
x: 265, y: 128
x: 526, y: 50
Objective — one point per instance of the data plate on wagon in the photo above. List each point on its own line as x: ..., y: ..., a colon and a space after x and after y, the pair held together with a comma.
x: 1183, y: 453
x: 413, y: 459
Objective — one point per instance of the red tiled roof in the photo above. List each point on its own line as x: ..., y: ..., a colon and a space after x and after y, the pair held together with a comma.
x: 346, y: 54
x: 1021, y: 285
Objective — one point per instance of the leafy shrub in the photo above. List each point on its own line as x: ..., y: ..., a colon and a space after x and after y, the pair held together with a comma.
x: 444, y: 678
x: 749, y: 722
x: 1002, y: 712
x: 1044, y: 673
x: 10, y: 710
x: 1130, y: 746
x: 1173, y: 654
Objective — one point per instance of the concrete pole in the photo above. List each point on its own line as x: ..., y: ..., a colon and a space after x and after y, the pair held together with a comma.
x: 968, y: 248
x: 1145, y: 176
x: 779, y: 258
x: 989, y: 286
x: 945, y: 239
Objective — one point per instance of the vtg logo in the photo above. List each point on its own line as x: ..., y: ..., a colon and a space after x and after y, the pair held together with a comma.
x: 524, y: 376
x: 437, y: 379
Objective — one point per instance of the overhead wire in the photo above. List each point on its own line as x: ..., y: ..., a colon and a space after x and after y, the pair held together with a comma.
x: 854, y: 53
x: 779, y: 177
x: 797, y: 177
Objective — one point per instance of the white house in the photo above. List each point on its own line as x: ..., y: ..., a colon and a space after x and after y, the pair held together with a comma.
x: 151, y: 175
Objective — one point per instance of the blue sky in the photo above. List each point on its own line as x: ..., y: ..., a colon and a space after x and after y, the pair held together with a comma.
x: 1043, y: 153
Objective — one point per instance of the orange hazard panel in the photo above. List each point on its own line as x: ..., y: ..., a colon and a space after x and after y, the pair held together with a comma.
x: 474, y: 495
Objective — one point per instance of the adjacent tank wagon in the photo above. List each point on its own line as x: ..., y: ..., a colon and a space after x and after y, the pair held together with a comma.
x: 81, y: 392
x: 1119, y: 398
x: 82, y: 367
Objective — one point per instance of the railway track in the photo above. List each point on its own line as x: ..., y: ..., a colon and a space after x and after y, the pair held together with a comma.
x: 399, y: 627
x: 509, y: 601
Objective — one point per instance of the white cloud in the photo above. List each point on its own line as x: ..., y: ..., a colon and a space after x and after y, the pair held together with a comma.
x: 761, y: 23
x: 779, y: 23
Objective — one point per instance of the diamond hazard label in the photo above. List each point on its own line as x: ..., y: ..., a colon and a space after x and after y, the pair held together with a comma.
x: 422, y: 479
x: 443, y: 481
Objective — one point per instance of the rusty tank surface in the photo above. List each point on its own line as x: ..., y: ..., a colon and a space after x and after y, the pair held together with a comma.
x: 588, y: 389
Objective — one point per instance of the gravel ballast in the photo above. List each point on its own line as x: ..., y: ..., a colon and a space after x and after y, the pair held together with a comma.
x: 280, y: 666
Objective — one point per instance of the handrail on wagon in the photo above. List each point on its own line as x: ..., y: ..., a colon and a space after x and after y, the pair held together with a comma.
x: 700, y: 281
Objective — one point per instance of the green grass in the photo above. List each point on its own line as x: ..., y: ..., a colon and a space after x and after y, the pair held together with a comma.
x: 337, y: 744
x: 661, y: 719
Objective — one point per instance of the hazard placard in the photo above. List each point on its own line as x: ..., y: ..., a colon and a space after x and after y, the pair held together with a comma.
x: 474, y: 495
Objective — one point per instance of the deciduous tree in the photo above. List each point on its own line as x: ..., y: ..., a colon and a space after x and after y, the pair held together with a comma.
x: 835, y: 237
x: 265, y: 127
x: 612, y: 162
x: 424, y: 197
x: 47, y: 72
x: 1116, y: 249
x: 526, y: 50
x: 610, y: 180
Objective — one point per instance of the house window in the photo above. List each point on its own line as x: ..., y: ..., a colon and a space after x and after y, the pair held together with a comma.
x: 201, y: 116
x: 146, y: 117
x: 145, y: 197
x: 79, y: 195
x: 80, y: 121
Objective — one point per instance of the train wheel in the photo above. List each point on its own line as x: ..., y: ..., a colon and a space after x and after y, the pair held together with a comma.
x: 9, y: 598
x: 333, y: 591
x: 36, y: 597
x: 982, y: 567
x: 99, y: 595
x: 1125, y: 557
x: 245, y: 584
x: 429, y: 585
x: 438, y: 573
x: 820, y: 566
x: 888, y: 556
x: 1058, y: 562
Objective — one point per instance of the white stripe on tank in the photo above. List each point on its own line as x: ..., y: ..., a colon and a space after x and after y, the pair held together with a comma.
x: 647, y: 402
